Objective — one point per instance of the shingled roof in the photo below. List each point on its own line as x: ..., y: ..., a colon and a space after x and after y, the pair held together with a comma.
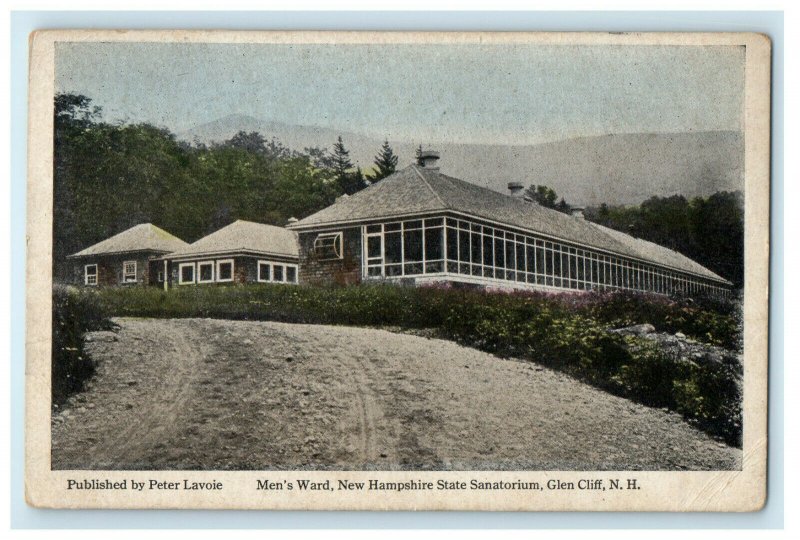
x: 420, y: 190
x: 142, y: 237
x: 245, y: 237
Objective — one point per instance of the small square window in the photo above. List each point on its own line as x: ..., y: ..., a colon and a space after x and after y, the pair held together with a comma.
x: 263, y: 271
x: 225, y: 270
x: 277, y: 273
x: 186, y: 273
x: 205, y: 272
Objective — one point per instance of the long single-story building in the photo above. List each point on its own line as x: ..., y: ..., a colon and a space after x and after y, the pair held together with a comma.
x: 420, y: 226
x: 127, y: 258
x: 242, y: 252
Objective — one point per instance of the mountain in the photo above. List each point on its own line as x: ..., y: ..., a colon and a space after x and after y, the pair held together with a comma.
x: 616, y: 169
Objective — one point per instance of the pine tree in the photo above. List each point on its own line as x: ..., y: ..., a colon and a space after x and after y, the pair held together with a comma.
x: 385, y: 163
x: 418, y: 157
x: 341, y: 165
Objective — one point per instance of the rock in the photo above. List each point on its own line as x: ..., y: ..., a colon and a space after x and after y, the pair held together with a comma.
x: 635, y: 330
x: 680, y: 335
x: 247, y: 342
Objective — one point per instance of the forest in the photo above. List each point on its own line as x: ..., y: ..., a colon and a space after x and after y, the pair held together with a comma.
x: 111, y: 176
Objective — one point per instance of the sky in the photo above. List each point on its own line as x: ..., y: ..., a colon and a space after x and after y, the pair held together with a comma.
x: 487, y: 94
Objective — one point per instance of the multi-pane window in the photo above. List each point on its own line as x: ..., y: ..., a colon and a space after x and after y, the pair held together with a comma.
x: 455, y: 246
x: 406, y: 248
x: 277, y: 272
x: 129, y: 272
x: 90, y: 274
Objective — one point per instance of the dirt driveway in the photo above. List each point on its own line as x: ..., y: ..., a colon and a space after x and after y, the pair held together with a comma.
x: 214, y: 394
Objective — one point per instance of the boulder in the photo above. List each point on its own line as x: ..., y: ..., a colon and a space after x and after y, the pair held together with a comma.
x: 635, y: 330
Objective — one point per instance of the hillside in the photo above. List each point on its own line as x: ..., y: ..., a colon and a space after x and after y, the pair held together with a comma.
x: 616, y: 169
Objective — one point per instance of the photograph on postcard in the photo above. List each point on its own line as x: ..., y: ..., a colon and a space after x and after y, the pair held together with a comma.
x: 401, y: 256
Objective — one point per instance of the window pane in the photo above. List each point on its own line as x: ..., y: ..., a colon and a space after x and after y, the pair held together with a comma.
x: 263, y: 271
x: 373, y: 228
x: 530, y: 258
x: 392, y: 248
x: 226, y: 271
x: 412, y: 245
x: 277, y: 272
x: 499, y: 253
x: 470, y: 246
x: 434, y: 267
x: 412, y: 224
x: 373, y: 246
x: 433, y: 243
x: 206, y: 272
x: 187, y: 273
x: 452, y: 244
x: 391, y: 227
x: 488, y: 251
x: 291, y: 274
x: 520, y: 257
x: 433, y: 222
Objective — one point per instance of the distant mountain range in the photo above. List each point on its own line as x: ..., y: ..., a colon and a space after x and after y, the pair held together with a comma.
x: 615, y: 169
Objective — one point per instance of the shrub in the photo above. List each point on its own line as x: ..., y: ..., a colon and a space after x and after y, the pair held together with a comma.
x: 74, y: 313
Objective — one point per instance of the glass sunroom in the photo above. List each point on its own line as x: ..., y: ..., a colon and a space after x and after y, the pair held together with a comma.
x: 448, y: 248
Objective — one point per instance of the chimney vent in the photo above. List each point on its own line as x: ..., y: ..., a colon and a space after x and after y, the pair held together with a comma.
x: 577, y: 211
x: 517, y: 189
x: 429, y: 159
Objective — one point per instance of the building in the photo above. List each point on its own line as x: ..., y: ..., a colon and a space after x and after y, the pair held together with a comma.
x: 242, y: 252
x: 420, y: 226
x: 127, y: 258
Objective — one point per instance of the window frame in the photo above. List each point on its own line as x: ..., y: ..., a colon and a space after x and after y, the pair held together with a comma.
x: 86, y: 275
x: 198, y: 277
x: 337, y: 244
x: 218, y: 273
x: 269, y: 264
x: 125, y: 273
x: 181, y: 266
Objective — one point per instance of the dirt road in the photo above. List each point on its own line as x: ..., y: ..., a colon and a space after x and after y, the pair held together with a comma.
x: 213, y: 394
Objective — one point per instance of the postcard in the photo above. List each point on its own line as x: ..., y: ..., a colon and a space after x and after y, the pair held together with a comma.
x: 398, y: 270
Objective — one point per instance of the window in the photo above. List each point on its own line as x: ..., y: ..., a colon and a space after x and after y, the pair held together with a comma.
x: 328, y: 246
x: 269, y: 271
x: 264, y: 269
x: 129, y: 272
x: 225, y: 270
x: 205, y: 272
x: 185, y: 273
x: 90, y: 274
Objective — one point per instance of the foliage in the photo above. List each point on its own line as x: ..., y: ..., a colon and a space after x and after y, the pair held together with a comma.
x: 109, y: 177
x: 385, y: 163
x: 542, y: 195
x: 709, y: 230
x: 565, y: 332
x: 74, y: 313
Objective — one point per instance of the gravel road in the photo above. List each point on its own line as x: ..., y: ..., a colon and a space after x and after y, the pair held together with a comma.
x: 238, y: 395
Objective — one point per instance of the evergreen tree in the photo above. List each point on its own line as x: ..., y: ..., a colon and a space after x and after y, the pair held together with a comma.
x: 563, y: 207
x: 418, y: 156
x: 385, y: 163
x: 341, y: 165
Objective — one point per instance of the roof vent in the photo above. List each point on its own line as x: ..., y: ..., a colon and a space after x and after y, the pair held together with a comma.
x: 577, y: 211
x: 292, y: 221
x: 517, y: 189
x: 428, y: 159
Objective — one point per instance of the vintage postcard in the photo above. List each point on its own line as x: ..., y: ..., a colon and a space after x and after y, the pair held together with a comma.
x: 396, y: 271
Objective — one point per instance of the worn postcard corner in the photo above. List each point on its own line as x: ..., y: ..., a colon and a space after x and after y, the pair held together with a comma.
x: 396, y: 271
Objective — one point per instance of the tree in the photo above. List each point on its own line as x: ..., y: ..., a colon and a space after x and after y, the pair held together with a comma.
x: 418, y: 156
x: 385, y: 163
x: 543, y: 195
x: 563, y: 207
x: 349, y: 181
